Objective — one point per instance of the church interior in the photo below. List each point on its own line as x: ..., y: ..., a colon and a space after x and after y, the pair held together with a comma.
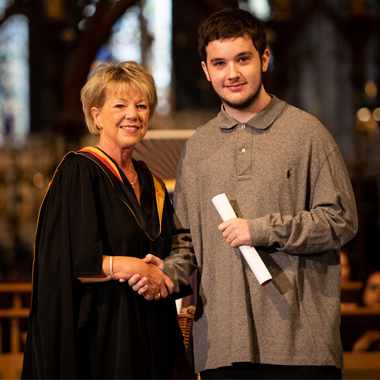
x: 325, y: 60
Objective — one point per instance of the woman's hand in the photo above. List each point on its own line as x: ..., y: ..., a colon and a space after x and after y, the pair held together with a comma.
x: 140, y: 284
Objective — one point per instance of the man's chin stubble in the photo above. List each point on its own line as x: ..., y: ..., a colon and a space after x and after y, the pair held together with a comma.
x: 245, y: 104
x: 241, y: 106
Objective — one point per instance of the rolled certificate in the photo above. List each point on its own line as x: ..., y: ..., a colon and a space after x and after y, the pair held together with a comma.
x: 250, y: 254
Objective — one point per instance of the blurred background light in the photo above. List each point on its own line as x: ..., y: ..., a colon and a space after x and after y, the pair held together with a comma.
x: 363, y: 114
x: 376, y: 114
x: 371, y: 89
x: 260, y: 8
x: 38, y: 180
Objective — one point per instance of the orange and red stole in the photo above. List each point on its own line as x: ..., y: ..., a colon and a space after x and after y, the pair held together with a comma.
x: 159, y: 186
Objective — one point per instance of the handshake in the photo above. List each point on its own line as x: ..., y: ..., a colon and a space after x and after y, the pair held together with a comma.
x: 151, y: 282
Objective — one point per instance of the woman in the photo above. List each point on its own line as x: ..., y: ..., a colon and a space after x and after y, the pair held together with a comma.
x: 102, y: 214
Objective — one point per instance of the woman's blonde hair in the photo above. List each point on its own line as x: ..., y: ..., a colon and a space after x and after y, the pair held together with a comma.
x: 124, y: 76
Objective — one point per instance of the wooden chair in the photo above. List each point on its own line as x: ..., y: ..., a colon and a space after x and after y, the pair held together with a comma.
x: 361, y: 365
x: 351, y: 291
x: 11, y: 360
x: 185, y: 321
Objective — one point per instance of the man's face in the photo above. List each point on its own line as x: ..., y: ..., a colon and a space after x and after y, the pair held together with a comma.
x: 235, y: 71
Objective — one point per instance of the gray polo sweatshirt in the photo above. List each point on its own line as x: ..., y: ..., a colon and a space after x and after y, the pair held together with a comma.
x: 283, y: 172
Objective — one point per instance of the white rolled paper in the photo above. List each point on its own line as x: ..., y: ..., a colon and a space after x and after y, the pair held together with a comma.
x: 250, y: 254
x: 178, y: 304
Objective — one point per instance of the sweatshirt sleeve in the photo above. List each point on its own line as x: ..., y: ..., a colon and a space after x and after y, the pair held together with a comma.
x: 182, y: 261
x: 330, y: 222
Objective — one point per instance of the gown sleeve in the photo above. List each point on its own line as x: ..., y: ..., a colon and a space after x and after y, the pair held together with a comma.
x: 70, y: 222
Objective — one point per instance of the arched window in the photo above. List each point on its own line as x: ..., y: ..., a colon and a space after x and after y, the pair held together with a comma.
x: 143, y: 34
x: 14, y: 80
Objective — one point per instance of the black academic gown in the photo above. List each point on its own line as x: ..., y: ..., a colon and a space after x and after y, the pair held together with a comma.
x: 98, y: 330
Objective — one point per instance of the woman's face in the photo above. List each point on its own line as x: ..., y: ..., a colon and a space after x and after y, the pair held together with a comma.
x: 371, y: 295
x: 123, y: 119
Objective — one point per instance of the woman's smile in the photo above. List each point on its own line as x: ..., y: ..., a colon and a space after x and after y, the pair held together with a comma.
x: 129, y: 128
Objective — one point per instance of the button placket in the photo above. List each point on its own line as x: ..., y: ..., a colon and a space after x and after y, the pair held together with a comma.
x: 244, y: 146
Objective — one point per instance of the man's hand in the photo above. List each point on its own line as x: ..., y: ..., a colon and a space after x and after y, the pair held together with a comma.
x: 149, y: 258
x: 236, y: 232
x: 143, y: 286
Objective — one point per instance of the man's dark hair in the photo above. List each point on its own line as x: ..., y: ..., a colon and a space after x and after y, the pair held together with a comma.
x: 231, y: 23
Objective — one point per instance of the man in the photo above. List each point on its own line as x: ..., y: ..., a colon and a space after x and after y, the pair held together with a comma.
x: 287, y: 182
